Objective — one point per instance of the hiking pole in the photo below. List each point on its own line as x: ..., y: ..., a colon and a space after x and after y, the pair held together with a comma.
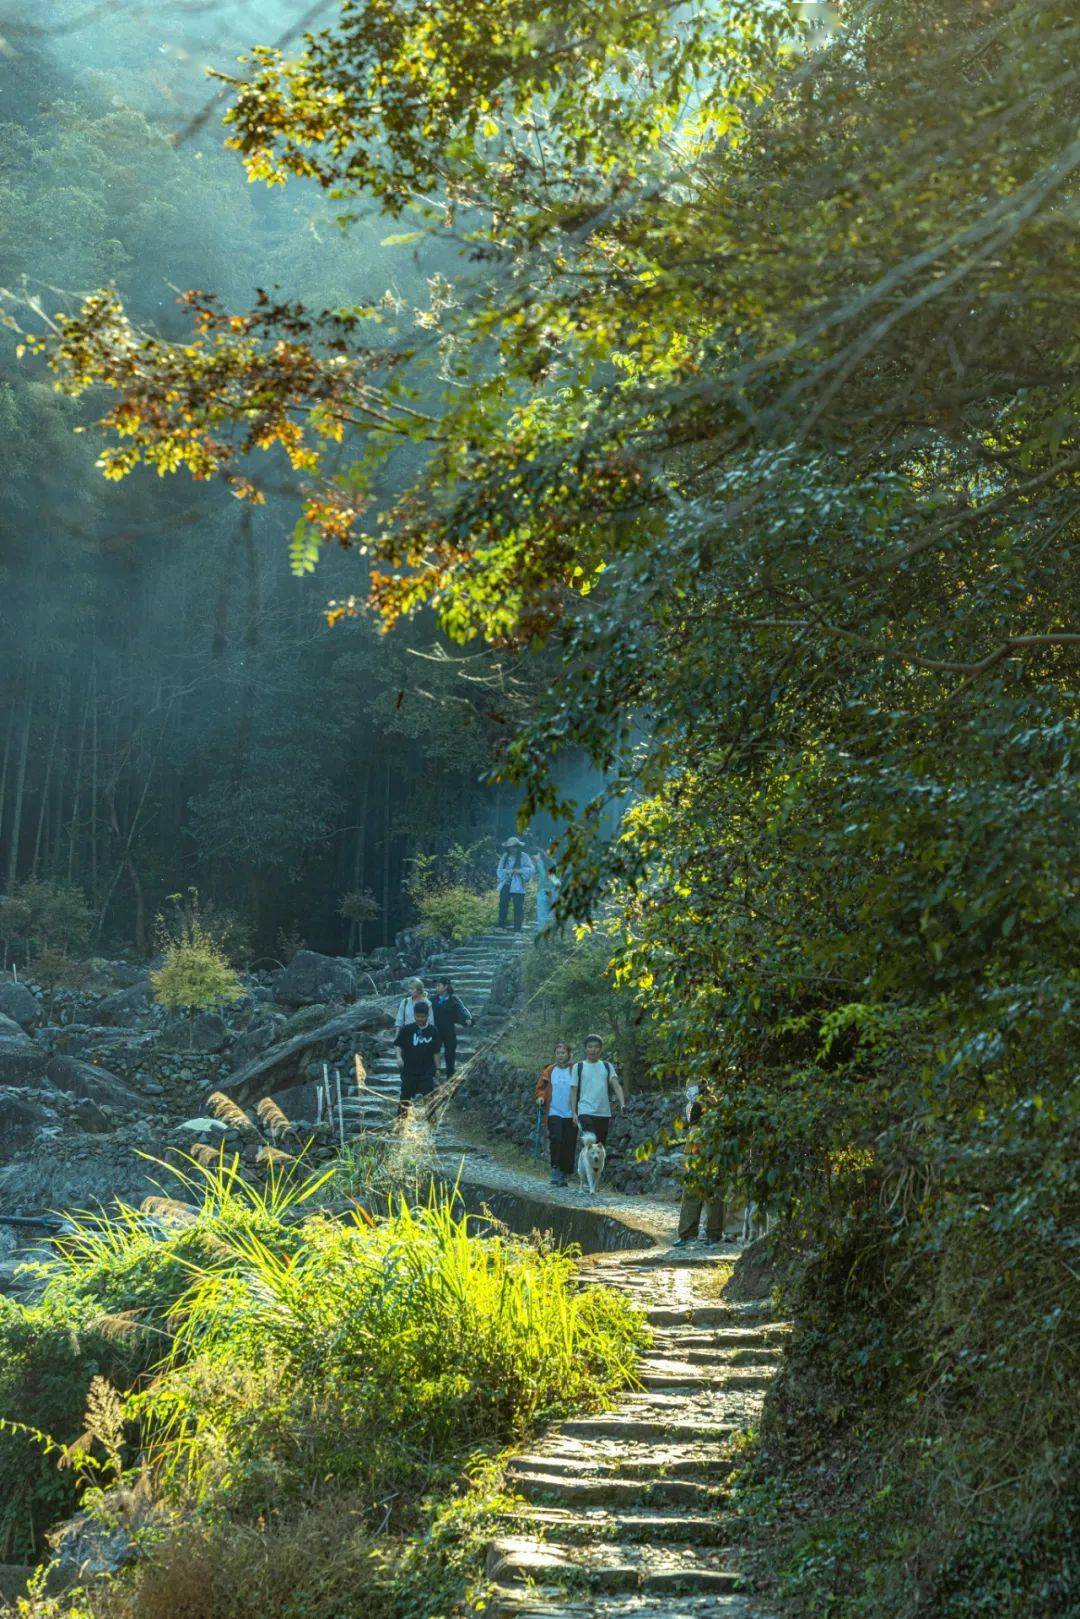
x: 536, y: 1132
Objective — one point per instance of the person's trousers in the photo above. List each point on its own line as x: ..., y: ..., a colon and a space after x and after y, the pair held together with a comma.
x: 449, y: 1048
x: 597, y: 1123
x: 562, y: 1141
x: 690, y: 1216
x: 505, y: 898
x: 413, y: 1090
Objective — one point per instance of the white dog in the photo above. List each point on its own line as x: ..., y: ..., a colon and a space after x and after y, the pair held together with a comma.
x: 591, y: 1158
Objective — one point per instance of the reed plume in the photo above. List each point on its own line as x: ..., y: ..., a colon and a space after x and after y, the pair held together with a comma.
x: 273, y: 1156
x: 273, y: 1120
x: 224, y: 1108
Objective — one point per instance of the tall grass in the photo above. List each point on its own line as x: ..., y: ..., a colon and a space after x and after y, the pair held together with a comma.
x: 376, y: 1354
x: 271, y: 1356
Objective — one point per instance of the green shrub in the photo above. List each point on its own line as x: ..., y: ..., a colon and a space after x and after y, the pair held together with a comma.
x: 571, y: 992
x: 268, y: 1361
x: 376, y: 1355
x: 49, y: 1353
x: 453, y: 911
x: 41, y: 918
x: 196, y: 974
x: 107, y: 1294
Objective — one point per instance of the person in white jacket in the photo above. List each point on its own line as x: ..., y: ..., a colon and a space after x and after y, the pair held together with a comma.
x: 414, y: 991
x: 513, y: 873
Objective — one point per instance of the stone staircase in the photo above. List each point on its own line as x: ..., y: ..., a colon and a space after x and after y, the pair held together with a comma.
x: 472, y: 967
x: 620, y: 1514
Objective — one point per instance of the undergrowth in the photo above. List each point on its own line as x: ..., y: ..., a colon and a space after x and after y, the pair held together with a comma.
x: 570, y: 992
x: 918, y: 1456
x: 315, y: 1404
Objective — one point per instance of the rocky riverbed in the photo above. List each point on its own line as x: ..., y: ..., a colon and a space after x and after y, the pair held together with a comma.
x: 95, y: 1081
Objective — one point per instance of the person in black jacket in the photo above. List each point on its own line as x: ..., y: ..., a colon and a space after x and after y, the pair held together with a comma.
x: 450, y: 1013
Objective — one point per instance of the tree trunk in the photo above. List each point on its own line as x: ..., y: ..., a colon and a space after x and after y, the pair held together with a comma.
x: 253, y: 901
x: 20, y: 787
x: 45, y: 791
x: 4, y: 773
x: 94, y: 764
x: 386, y: 855
x: 56, y: 822
x: 76, y: 791
x: 356, y: 929
x: 141, y: 942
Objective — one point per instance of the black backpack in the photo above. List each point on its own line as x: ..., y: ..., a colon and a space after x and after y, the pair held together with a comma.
x: 609, y: 1069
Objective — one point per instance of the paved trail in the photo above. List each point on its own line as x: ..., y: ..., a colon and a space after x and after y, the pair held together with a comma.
x: 620, y: 1515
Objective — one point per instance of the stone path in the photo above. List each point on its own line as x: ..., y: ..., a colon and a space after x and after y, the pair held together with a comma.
x: 471, y: 967
x: 617, y: 1515
x: 621, y: 1514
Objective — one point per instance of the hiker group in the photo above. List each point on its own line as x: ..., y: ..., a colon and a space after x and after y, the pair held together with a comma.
x: 577, y: 1099
x: 426, y: 1027
x: 426, y: 1037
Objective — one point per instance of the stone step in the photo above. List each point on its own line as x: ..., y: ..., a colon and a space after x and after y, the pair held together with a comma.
x: 671, y: 1375
x: 564, y: 1490
x: 610, y: 1569
x: 654, y: 1430
x: 749, y: 1340
x: 552, y: 1602
x: 733, y: 1358
x: 646, y: 1462
x: 707, y: 1315
x: 652, y: 1526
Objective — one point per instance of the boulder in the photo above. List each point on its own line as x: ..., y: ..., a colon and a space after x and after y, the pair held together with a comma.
x: 506, y: 985
x: 124, y: 974
x: 89, y: 1083
x: 21, y: 1005
x: 86, y: 1549
x: 206, y: 1031
x: 127, y: 1004
x: 21, y: 1117
x: 252, y: 1042
x: 311, y: 978
x: 286, y: 1061
x: 200, y: 1127
x: 92, y: 1117
x: 308, y: 1017
x: 21, y: 1060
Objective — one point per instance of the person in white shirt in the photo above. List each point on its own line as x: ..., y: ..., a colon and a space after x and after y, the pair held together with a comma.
x: 553, y: 1097
x: 595, y: 1083
x: 414, y: 992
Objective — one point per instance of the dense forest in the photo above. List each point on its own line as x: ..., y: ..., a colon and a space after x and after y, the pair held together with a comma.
x: 175, y: 710
x: 692, y: 390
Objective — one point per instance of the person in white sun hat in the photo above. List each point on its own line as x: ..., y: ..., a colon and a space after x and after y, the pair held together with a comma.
x: 513, y: 874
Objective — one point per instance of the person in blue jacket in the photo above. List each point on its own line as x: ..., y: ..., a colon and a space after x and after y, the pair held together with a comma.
x: 513, y: 874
